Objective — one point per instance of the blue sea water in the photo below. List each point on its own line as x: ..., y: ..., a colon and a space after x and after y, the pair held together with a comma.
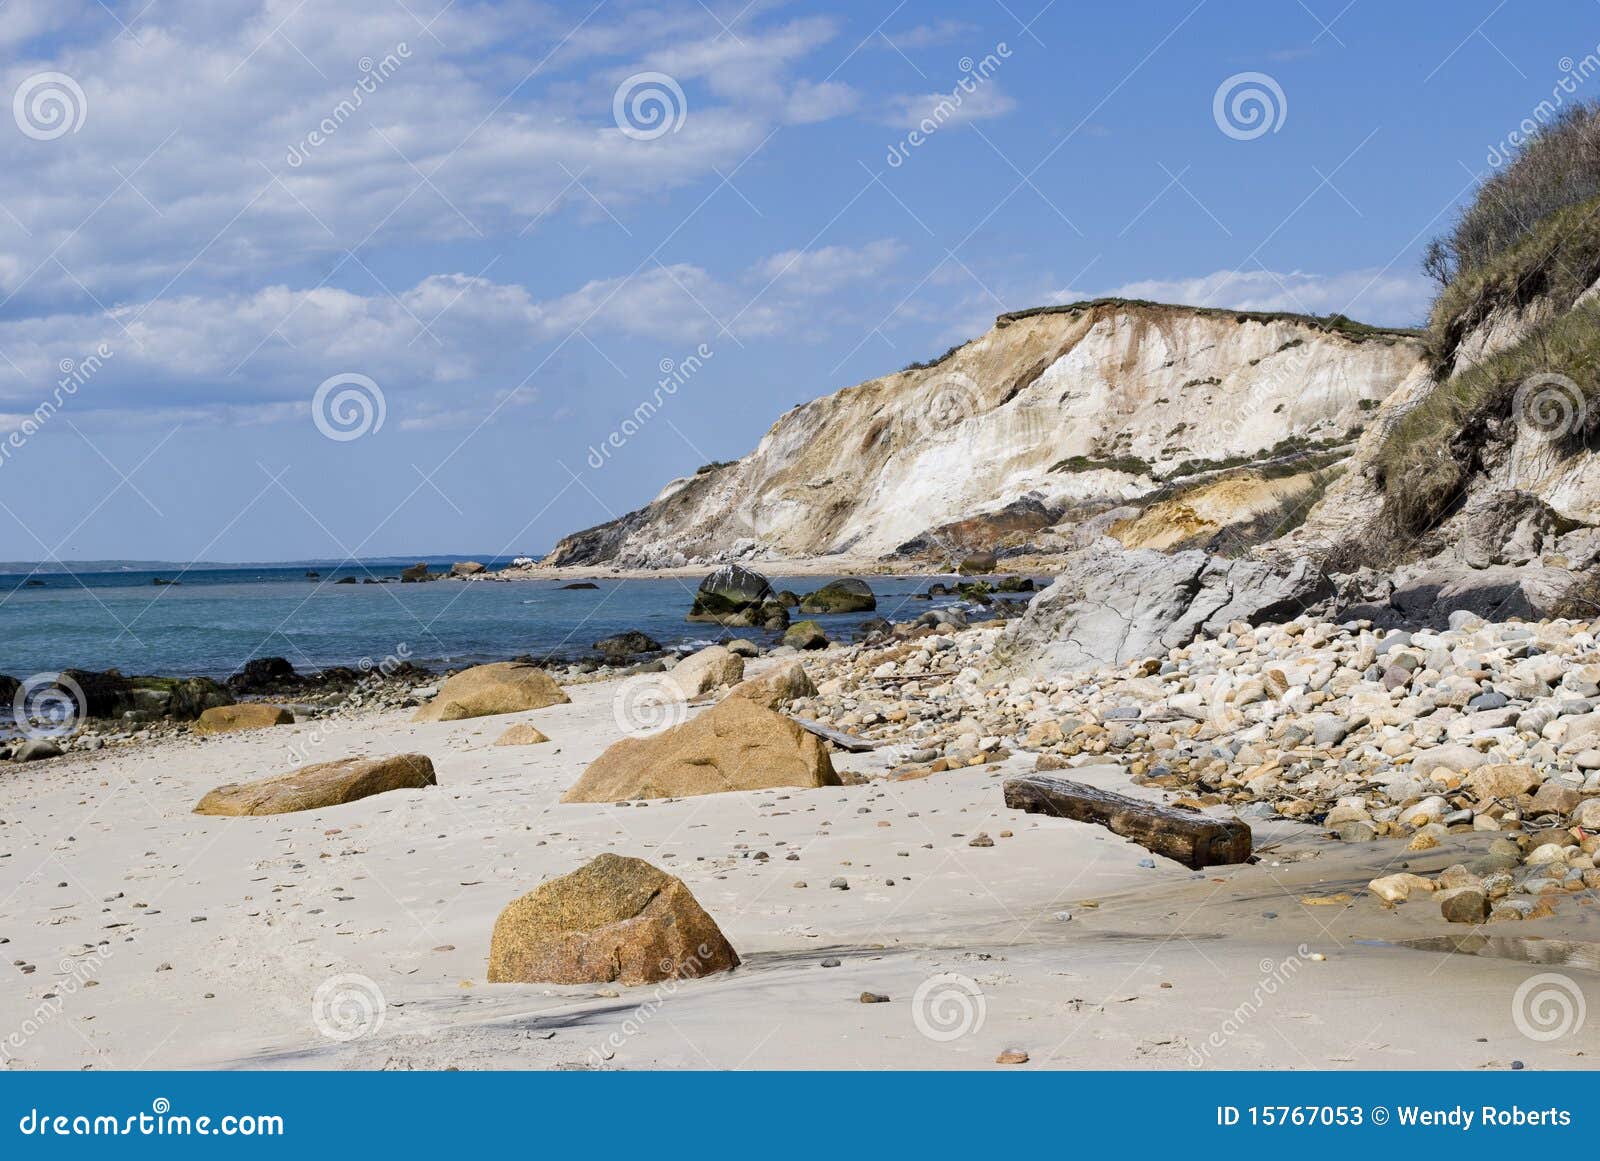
x: 217, y: 618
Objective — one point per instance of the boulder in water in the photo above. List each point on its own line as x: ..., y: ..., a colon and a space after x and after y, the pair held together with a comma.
x: 841, y: 596
x: 613, y: 919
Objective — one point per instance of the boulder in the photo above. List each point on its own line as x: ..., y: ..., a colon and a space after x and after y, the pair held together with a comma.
x: 264, y: 675
x: 322, y: 784
x: 732, y: 594
x: 629, y: 644
x: 711, y: 668
x: 417, y: 572
x: 1497, y: 593
x: 36, y: 750
x: 1112, y: 605
x: 521, y: 734
x: 613, y: 919
x: 466, y: 568
x: 735, y: 745
x: 805, y: 635
x: 977, y: 563
x: 841, y: 596
x: 504, y: 687
x: 1503, y: 781
x: 1398, y: 888
x: 777, y: 687
x: 1463, y: 904
x: 250, y: 715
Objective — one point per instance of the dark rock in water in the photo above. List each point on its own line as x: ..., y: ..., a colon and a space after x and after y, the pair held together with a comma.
x: 466, y: 568
x: 976, y: 591
x: 8, y: 689
x: 940, y: 589
x: 1014, y: 584
x: 264, y: 675
x: 788, y: 599
x: 978, y: 562
x: 581, y: 585
x: 33, y: 583
x: 739, y: 598
x: 841, y: 596
x: 417, y: 572
x: 806, y: 635
x: 110, y: 695
x: 627, y: 644
x: 347, y: 580
x: 156, y: 580
x: 313, y: 574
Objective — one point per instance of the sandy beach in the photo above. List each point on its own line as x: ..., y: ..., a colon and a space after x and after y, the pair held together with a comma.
x: 140, y: 935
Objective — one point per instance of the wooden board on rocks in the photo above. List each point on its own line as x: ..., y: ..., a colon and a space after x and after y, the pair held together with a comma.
x: 847, y: 742
x: 1195, y: 840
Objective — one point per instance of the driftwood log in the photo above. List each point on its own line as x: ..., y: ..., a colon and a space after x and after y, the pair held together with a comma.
x: 1193, y: 839
x: 844, y: 741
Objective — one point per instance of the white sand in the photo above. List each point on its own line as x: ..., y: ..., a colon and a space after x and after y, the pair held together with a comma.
x: 403, y: 889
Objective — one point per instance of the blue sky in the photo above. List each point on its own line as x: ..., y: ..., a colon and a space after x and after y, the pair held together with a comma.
x: 200, y: 217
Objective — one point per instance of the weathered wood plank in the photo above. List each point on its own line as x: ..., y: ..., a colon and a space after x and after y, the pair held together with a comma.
x: 1195, y: 840
x: 839, y: 738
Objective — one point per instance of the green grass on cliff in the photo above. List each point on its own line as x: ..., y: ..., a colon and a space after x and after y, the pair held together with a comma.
x: 1333, y: 324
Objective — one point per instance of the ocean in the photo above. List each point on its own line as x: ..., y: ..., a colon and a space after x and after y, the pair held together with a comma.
x: 219, y: 617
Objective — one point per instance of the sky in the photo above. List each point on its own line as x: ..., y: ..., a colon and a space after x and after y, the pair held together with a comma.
x: 329, y: 278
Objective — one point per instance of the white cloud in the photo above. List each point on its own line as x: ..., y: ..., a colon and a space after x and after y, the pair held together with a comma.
x: 1384, y: 296
x: 956, y: 107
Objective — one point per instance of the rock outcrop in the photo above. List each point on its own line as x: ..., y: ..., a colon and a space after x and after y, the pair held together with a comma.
x: 322, y: 784
x: 1113, y: 605
x: 735, y: 745
x: 777, y: 687
x: 613, y: 919
x: 841, y: 596
x: 739, y: 598
x: 504, y: 687
x: 1095, y: 401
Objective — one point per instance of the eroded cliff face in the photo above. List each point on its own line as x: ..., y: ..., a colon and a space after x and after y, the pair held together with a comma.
x: 1049, y: 411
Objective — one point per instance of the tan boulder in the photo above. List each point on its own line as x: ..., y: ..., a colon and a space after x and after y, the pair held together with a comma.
x: 319, y: 785
x: 247, y: 715
x: 505, y: 687
x: 614, y: 918
x: 1398, y: 888
x: 735, y: 745
x: 711, y: 668
x: 777, y: 687
x: 1507, y: 780
x: 522, y: 734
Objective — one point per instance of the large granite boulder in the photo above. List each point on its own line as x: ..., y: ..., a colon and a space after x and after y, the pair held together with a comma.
x: 735, y: 745
x: 466, y: 568
x: 319, y: 785
x: 841, y: 596
x: 1496, y: 593
x: 249, y: 715
x: 805, y: 635
x: 1112, y: 605
x: 739, y: 598
x: 711, y: 668
x: 777, y: 687
x: 613, y: 919
x: 505, y: 687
